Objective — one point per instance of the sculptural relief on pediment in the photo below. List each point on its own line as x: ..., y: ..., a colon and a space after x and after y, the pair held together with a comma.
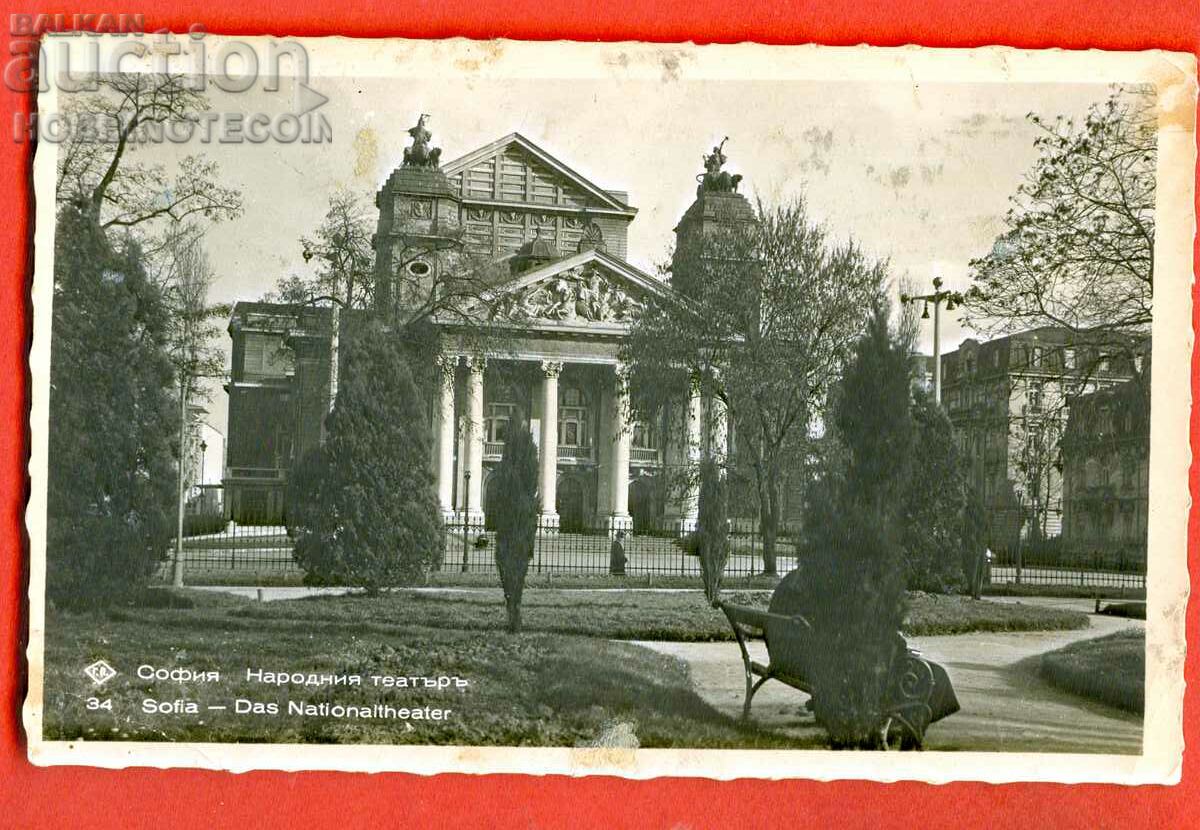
x: 580, y: 294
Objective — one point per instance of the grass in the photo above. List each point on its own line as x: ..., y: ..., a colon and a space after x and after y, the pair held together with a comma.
x: 564, y: 682
x: 1010, y: 589
x: 936, y: 614
x: 275, y: 577
x: 644, y: 615
x: 534, y: 689
x: 1109, y: 669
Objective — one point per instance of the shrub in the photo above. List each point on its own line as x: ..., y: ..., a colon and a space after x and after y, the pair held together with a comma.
x: 516, y: 524
x: 934, y: 504
x: 112, y: 424
x: 200, y: 524
x: 362, y: 506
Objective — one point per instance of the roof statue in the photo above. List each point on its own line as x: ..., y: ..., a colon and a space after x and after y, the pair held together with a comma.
x: 714, y: 179
x: 420, y: 154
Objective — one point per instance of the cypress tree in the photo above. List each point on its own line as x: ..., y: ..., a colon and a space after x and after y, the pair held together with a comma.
x: 852, y: 586
x: 516, y: 519
x: 713, y: 529
x: 363, y: 509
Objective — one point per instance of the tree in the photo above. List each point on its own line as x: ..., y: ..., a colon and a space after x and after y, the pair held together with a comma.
x: 934, y: 501
x: 342, y: 248
x: 111, y: 420
x: 192, y: 335
x: 713, y: 529
x: 364, y: 509
x: 772, y: 311
x: 851, y: 588
x: 974, y: 542
x: 93, y: 166
x: 1078, y: 249
x: 517, y: 504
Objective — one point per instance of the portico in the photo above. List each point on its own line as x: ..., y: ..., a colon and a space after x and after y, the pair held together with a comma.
x: 577, y: 411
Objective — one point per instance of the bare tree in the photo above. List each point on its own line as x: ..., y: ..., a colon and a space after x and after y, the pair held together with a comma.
x: 1078, y: 250
x: 344, y: 257
x: 775, y: 310
x: 193, y: 331
x: 95, y: 170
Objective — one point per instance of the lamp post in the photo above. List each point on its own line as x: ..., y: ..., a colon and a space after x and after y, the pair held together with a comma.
x: 203, y: 450
x: 1020, y: 494
x: 952, y: 299
x: 466, y: 515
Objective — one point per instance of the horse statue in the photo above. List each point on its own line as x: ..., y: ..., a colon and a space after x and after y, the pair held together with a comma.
x: 714, y: 179
x: 420, y: 154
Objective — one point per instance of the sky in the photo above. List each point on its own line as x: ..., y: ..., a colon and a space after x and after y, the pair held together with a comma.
x: 919, y: 175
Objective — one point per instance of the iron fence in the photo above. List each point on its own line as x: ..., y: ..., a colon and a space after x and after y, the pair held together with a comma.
x: 1094, y: 569
x: 660, y: 548
x: 239, y: 547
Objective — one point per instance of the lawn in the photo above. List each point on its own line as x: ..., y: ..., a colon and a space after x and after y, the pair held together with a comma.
x: 535, y: 689
x: 1109, y: 669
x: 564, y: 682
x: 681, y: 616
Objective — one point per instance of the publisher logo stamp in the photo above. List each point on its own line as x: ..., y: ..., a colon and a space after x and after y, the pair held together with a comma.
x: 100, y: 672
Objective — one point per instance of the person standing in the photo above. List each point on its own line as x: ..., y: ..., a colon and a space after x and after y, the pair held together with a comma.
x: 616, y: 554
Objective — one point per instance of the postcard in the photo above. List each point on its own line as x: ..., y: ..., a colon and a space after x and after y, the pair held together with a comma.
x: 610, y: 408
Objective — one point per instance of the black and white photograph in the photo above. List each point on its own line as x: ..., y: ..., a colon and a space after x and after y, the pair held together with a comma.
x: 618, y: 409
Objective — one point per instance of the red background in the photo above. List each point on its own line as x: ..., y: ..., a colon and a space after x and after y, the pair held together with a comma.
x: 78, y: 797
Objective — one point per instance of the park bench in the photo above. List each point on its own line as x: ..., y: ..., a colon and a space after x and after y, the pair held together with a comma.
x: 907, y: 710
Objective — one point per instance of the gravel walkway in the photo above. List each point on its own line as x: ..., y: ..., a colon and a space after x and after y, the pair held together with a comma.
x: 1005, y: 706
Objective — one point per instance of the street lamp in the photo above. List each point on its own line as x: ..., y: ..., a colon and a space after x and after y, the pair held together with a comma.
x: 203, y: 450
x: 952, y: 299
x: 466, y: 514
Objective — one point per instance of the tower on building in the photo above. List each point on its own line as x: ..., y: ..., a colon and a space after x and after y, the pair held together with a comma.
x: 706, y: 234
x: 419, y: 230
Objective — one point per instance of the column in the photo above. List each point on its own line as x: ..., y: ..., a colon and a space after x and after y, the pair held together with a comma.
x: 694, y: 436
x: 620, y: 519
x: 474, y: 439
x: 445, y: 435
x: 548, y: 445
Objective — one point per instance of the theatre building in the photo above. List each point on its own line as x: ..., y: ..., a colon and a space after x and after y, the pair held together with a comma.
x: 558, y: 243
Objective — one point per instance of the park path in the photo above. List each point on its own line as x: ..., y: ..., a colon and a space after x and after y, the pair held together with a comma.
x: 1005, y: 706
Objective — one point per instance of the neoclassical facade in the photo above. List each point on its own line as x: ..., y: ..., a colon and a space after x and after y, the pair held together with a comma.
x: 557, y: 243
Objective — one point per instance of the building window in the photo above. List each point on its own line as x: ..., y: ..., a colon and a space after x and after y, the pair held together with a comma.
x: 1035, y: 397
x: 264, y: 357
x: 573, y: 419
x: 499, y: 418
x: 644, y: 437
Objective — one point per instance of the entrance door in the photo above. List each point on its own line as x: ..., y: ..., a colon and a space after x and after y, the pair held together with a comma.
x: 642, y: 506
x: 569, y: 504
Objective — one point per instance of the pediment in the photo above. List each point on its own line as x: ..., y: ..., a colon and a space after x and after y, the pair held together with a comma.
x: 513, y: 169
x: 587, y: 288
